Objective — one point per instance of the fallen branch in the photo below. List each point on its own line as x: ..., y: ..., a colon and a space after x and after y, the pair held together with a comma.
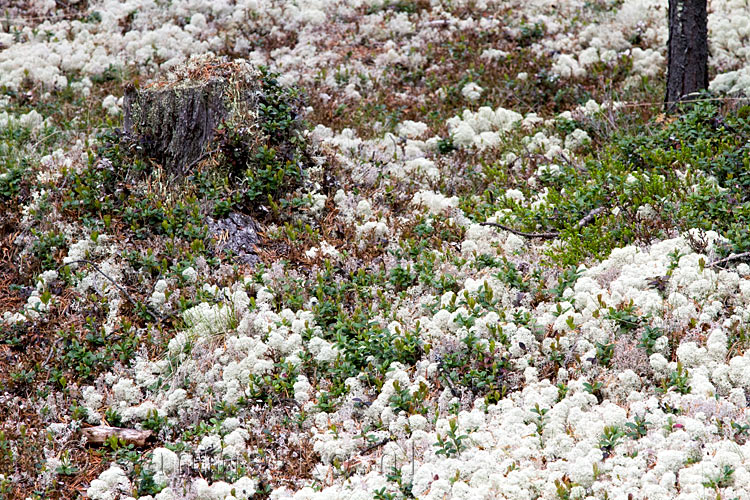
x: 376, y: 445
x: 130, y: 299
x: 100, y: 435
x: 546, y: 236
x: 589, y: 217
x: 438, y: 22
x: 586, y: 220
x: 734, y: 256
x: 106, y: 276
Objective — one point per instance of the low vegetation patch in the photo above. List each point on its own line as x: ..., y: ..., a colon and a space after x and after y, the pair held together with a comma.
x: 432, y: 250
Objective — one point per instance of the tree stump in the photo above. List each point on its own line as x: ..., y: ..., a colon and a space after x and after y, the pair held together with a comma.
x: 175, y: 121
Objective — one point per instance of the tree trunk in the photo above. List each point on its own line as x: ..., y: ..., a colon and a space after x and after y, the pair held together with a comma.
x: 687, y: 54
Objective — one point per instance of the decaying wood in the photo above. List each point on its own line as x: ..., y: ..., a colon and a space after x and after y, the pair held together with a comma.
x: 174, y: 125
x: 734, y: 256
x: 97, y: 436
x: 175, y: 122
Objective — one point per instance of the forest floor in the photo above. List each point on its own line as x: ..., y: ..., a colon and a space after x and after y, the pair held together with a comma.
x: 486, y: 263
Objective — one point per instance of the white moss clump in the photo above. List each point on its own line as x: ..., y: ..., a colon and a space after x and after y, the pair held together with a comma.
x: 577, y: 139
x: 435, y: 203
x: 463, y: 135
x: 324, y: 351
x: 158, y: 297
x: 482, y: 129
x: 471, y: 91
x: 35, y: 307
x: 126, y: 391
x: 166, y: 494
x: 164, y: 460
x: 244, y: 488
x: 515, y: 195
x: 112, y: 104
x: 364, y: 209
x: 567, y: 67
x: 110, y: 484
x: 45, y: 279
x: 411, y: 129
x: 419, y: 168
x: 235, y: 443
x: 372, y: 229
x: 209, y: 319
x: 302, y: 389
x: 493, y: 54
x: 219, y: 490
x: 190, y: 274
x: 92, y: 399
x: 78, y: 251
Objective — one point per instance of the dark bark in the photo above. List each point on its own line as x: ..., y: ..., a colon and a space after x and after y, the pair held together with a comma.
x: 174, y: 125
x: 687, y: 52
x: 236, y: 234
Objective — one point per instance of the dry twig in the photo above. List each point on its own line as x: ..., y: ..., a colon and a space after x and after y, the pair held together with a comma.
x: 546, y: 236
x: 734, y: 256
x: 151, y: 310
x: 586, y: 220
x: 376, y: 445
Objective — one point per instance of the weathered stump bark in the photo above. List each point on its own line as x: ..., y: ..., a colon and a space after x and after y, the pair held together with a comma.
x: 174, y: 125
x: 687, y: 53
x: 176, y: 121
